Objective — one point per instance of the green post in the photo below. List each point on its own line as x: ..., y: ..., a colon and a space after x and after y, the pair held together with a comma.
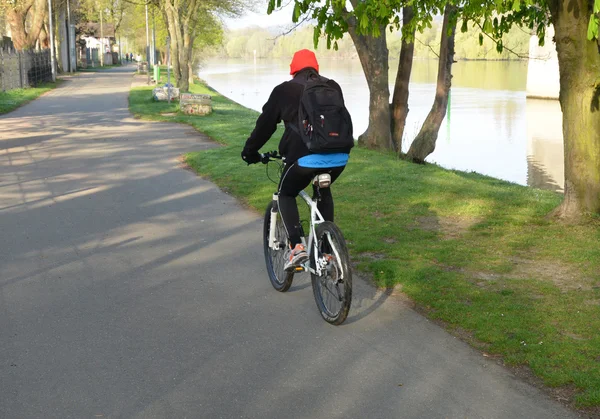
x: 156, y: 74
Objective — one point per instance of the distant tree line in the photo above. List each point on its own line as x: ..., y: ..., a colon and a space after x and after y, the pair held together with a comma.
x: 272, y: 44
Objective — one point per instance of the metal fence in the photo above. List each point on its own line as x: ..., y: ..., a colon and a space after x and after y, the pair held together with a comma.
x: 24, y: 69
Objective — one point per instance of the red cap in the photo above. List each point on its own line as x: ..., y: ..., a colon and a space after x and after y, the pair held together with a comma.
x: 302, y: 59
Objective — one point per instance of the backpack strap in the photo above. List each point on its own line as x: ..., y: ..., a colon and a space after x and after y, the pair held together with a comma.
x: 303, y: 80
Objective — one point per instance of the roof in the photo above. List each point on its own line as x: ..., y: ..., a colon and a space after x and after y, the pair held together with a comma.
x: 93, y: 29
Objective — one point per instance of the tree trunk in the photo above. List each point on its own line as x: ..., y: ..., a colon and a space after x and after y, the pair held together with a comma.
x: 173, y: 26
x: 16, y: 21
x: 191, y: 62
x: 184, y: 62
x: 399, y: 107
x: 25, y: 35
x: 190, y: 73
x: 181, y: 45
x: 373, y: 55
x: 62, y: 41
x: 424, y: 143
x: 579, y: 65
x: 43, y: 38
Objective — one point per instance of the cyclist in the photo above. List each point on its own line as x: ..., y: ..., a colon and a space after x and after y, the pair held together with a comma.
x: 301, y: 166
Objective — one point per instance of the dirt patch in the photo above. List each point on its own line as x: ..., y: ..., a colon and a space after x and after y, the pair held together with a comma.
x: 389, y: 240
x: 427, y: 223
x: 565, y: 277
x: 377, y: 215
x: 486, y: 276
x: 573, y: 335
x: 448, y: 227
x: 184, y: 165
x: 372, y: 255
x: 454, y: 227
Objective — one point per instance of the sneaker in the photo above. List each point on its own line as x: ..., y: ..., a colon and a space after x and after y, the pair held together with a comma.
x: 295, y: 257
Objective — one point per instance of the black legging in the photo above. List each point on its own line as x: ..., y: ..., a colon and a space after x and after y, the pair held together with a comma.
x: 294, y: 179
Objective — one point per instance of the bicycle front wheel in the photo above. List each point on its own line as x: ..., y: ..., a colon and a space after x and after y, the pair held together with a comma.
x: 333, y: 289
x: 275, y: 256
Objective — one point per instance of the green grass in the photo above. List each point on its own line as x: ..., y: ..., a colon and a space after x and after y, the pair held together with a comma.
x: 12, y: 99
x: 476, y: 253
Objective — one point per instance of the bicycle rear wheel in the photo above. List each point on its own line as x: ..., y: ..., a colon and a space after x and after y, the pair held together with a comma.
x: 332, y: 290
x: 275, y: 258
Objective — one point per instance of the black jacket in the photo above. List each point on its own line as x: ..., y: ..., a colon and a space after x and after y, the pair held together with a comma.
x: 282, y: 106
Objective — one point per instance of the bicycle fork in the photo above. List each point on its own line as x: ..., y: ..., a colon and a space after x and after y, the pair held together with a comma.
x: 273, y: 223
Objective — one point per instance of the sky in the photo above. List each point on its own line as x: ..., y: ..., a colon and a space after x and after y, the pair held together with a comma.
x: 260, y: 18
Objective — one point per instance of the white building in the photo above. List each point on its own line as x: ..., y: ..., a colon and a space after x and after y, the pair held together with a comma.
x: 543, y: 80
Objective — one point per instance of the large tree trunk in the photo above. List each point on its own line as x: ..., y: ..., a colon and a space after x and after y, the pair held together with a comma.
x: 24, y: 35
x: 579, y: 65
x: 373, y: 55
x: 424, y: 144
x: 173, y: 26
x: 184, y: 61
x: 16, y: 21
x: 191, y: 62
x: 181, y: 45
x: 63, y: 43
x: 399, y: 107
x: 44, y: 39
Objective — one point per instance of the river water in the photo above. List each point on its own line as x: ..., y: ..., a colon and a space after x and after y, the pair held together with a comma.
x: 490, y: 128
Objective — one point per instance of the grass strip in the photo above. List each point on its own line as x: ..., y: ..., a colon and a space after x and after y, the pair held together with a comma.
x: 12, y: 99
x: 476, y: 253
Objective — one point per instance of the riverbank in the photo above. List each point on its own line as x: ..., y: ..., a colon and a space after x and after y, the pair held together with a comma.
x: 13, y: 99
x: 474, y: 253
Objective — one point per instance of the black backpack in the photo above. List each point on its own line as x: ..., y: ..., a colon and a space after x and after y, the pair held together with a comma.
x: 324, y: 123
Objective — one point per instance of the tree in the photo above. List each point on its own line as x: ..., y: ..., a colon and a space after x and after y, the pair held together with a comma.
x: 236, y: 46
x: 19, y: 13
x: 576, y: 36
x: 259, y: 42
x: 186, y: 20
x: 579, y: 64
x: 399, y: 106
x: 373, y: 54
x: 424, y: 143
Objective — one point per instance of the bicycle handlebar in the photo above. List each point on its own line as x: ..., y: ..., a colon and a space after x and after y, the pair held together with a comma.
x: 269, y: 156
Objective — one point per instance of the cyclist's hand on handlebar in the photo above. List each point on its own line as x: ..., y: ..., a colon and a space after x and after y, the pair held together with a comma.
x: 251, y: 157
x: 266, y: 157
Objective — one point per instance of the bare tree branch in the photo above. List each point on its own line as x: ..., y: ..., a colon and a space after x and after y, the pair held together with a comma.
x: 521, y: 56
x: 428, y: 46
x: 293, y: 28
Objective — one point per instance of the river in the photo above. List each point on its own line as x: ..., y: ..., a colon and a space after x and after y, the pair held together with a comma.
x: 490, y: 128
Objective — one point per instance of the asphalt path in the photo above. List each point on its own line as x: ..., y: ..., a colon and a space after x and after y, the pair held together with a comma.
x: 131, y: 288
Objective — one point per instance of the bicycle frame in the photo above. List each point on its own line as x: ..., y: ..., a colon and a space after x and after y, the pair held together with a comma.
x: 315, y: 218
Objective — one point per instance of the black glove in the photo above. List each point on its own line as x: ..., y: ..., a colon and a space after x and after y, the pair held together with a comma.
x: 251, y: 157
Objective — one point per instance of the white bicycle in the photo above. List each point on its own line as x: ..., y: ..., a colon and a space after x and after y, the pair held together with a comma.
x: 328, y: 264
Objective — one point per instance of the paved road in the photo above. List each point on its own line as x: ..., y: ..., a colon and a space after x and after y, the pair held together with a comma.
x: 131, y: 288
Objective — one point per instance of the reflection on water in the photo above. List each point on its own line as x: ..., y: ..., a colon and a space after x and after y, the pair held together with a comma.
x: 545, y: 151
x: 491, y: 128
